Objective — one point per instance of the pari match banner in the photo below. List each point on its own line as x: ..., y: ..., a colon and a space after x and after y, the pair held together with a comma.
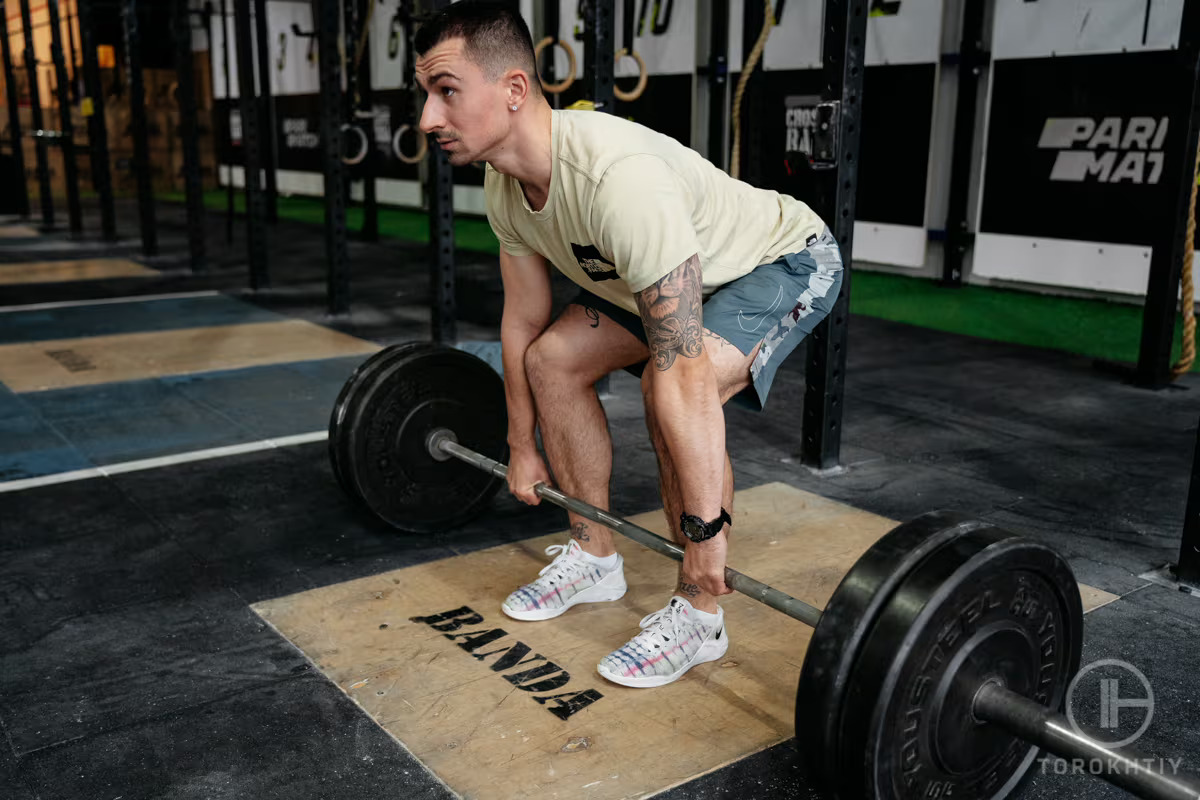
x: 1087, y: 148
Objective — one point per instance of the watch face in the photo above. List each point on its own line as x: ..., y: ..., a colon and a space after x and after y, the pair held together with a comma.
x: 692, y: 528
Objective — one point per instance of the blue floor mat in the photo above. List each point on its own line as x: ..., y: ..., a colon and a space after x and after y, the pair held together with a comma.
x: 73, y: 322
x: 44, y: 433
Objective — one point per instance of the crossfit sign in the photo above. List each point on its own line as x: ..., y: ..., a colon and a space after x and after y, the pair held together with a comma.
x: 800, y: 121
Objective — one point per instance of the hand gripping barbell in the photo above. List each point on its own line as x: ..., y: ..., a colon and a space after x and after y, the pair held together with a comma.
x: 936, y: 669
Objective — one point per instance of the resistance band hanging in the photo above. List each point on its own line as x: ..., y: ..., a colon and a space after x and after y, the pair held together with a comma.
x: 394, y: 28
x: 312, y: 41
x: 400, y: 28
x: 662, y: 17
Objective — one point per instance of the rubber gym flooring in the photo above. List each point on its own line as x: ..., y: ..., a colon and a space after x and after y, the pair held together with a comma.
x: 166, y: 496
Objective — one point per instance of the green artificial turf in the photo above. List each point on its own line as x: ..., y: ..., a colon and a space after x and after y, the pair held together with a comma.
x: 1093, y: 328
x: 396, y: 223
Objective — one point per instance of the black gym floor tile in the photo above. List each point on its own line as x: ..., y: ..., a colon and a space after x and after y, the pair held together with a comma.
x: 775, y: 773
x: 1049, y: 469
x: 1105, y: 549
x: 12, y: 785
x: 299, y: 738
x: 43, y: 516
x: 1157, y: 629
x: 505, y: 521
x: 925, y: 436
x: 1134, y: 505
x: 106, y: 671
x: 44, y: 588
x: 274, y: 522
x: 902, y: 490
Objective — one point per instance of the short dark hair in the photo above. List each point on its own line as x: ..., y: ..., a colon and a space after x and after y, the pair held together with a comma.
x: 496, y: 37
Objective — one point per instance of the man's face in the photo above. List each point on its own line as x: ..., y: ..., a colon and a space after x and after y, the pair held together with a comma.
x: 467, y: 113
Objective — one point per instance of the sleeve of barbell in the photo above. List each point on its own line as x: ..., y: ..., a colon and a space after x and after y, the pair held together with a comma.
x: 1053, y: 732
x: 758, y: 590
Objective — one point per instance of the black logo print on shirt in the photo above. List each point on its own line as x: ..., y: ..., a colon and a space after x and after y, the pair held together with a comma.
x: 594, y: 264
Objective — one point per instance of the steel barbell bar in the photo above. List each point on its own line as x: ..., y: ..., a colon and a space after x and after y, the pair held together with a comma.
x: 992, y: 703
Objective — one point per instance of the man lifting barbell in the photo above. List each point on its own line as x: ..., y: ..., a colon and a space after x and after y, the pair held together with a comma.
x: 698, y: 282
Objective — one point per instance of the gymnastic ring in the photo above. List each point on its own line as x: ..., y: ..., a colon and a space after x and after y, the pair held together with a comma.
x: 563, y: 85
x: 643, y: 77
x: 422, y: 146
x: 358, y: 157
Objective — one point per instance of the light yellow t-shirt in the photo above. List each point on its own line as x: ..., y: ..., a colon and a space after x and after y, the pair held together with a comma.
x: 628, y: 204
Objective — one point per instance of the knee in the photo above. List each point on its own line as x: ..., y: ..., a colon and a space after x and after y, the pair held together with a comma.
x: 549, y: 362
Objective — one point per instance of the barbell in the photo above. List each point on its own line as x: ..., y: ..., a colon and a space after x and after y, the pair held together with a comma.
x: 937, y: 668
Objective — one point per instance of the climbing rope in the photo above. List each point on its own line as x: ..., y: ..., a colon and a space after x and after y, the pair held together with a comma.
x: 735, y: 162
x: 1187, y: 301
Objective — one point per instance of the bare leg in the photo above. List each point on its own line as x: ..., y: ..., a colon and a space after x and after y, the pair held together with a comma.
x: 732, y: 376
x: 673, y: 507
x: 563, y: 365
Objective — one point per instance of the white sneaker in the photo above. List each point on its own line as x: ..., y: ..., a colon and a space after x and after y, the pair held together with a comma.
x: 568, y: 580
x: 672, y: 641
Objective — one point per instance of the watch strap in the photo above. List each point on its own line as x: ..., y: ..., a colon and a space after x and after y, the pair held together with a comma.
x: 709, y: 529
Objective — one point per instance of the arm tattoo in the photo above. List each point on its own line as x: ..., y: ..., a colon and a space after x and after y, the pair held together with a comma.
x: 579, y: 531
x: 714, y: 340
x: 689, y: 589
x: 670, y: 310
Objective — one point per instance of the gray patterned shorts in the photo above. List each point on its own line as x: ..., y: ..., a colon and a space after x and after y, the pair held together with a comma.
x: 778, y: 304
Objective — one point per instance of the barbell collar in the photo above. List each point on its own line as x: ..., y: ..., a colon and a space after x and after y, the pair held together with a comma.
x: 1053, y: 732
x: 797, y: 609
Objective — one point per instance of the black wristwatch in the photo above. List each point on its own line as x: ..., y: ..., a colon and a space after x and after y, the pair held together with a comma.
x: 697, y: 530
